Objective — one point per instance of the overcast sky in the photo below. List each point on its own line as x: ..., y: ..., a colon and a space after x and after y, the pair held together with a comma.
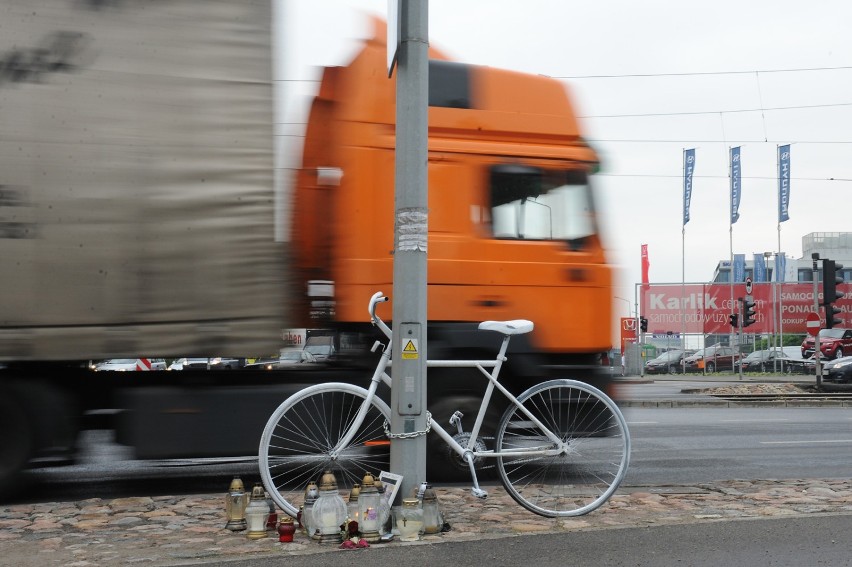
x: 651, y: 79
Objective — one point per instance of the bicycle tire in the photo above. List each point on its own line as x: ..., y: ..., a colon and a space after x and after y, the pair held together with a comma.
x: 296, y: 443
x: 595, y: 455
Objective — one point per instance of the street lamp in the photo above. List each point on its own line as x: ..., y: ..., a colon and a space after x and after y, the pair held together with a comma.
x: 628, y: 304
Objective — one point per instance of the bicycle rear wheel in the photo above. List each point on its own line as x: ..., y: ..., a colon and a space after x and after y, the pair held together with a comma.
x: 300, y: 436
x: 591, y: 459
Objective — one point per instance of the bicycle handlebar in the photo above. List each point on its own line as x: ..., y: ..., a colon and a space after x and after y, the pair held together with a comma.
x: 377, y: 298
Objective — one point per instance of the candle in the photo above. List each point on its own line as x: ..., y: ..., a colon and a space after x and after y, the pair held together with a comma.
x: 329, y: 520
x: 370, y: 521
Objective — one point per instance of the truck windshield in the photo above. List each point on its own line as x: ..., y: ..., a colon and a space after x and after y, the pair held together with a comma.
x: 530, y: 203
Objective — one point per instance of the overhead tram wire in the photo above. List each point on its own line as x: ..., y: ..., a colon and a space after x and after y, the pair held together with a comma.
x: 701, y: 73
x: 709, y: 73
x: 732, y: 111
x: 761, y: 177
x: 682, y: 141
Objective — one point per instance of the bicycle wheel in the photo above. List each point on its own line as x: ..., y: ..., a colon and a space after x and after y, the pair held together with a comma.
x: 591, y: 459
x: 298, y: 440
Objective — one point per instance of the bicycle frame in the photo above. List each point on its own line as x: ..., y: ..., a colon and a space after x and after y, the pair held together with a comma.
x: 468, y: 452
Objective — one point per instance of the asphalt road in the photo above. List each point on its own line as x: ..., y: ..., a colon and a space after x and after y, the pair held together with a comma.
x: 669, y: 446
x: 793, y: 542
x: 694, y: 445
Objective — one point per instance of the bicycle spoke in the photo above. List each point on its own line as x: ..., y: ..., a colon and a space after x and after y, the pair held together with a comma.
x: 593, y: 456
x: 302, y: 439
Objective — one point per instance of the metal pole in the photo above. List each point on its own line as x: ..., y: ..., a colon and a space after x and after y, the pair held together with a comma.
x: 775, y: 339
x: 683, y: 262
x: 766, y: 256
x: 740, y: 328
x: 734, y: 335
x: 817, y: 350
x: 408, y: 395
x: 639, y: 337
x: 779, y: 280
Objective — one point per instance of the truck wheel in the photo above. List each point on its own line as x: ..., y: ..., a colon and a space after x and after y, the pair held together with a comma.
x: 18, y: 440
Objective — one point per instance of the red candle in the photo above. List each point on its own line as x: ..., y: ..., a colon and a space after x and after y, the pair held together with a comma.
x: 286, y: 529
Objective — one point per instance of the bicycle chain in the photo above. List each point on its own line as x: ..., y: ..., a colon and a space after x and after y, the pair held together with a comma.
x: 412, y: 434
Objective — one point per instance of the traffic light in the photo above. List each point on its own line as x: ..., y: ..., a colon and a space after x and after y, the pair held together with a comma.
x: 831, y: 313
x: 734, y: 320
x: 748, y: 310
x: 830, y: 279
x: 643, y: 324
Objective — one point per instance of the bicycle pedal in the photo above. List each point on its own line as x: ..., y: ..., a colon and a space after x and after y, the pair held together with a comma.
x: 479, y: 493
x: 455, y: 419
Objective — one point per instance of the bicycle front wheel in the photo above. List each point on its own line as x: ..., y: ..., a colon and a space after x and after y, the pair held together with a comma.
x: 581, y: 471
x: 302, y: 437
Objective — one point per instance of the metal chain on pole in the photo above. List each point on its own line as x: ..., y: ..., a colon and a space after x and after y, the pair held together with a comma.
x: 412, y: 434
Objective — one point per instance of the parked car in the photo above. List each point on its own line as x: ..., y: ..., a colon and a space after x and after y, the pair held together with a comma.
x: 128, y: 364
x: 667, y: 363
x: 295, y: 356
x: 801, y: 365
x: 711, y: 358
x: 262, y: 364
x: 833, y: 343
x: 321, y: 346
x: 769, y: 359
x: 214, y: 363
x: 838, y: 371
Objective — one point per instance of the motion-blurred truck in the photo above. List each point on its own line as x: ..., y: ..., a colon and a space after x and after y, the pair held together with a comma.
x: 138, y: 216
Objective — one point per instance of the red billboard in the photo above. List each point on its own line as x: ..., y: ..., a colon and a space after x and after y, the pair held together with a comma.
x: 704, y: 308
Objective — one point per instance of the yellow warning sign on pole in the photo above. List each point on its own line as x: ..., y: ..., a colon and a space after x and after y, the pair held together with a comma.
x: 409, y: 349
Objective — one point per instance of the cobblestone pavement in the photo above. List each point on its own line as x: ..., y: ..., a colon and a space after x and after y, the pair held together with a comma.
x: 188, y: 530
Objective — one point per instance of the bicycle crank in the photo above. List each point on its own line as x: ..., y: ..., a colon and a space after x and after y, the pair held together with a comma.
x: 458, y: 462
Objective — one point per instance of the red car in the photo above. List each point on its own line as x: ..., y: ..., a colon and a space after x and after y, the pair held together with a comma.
x: 833, y: 343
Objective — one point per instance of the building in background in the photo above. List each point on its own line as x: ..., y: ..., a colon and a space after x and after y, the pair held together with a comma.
x: 835, y: 246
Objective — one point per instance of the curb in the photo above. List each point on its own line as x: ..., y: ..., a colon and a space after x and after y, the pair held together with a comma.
x: 734, y: 404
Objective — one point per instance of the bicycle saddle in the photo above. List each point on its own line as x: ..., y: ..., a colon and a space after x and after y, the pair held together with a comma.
x: 515, y: 327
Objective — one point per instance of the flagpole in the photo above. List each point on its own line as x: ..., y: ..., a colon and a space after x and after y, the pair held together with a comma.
x: 731, y: 240
x: 779, y: 278
x: 688, y: 167
x: 682, y: 287
x: 683, y: 261
x: 731, y: 243
x: 783, y: 171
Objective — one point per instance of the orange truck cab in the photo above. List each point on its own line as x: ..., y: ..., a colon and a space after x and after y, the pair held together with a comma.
x: 512, y: 220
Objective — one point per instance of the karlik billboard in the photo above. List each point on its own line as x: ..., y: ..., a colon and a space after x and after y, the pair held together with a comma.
x: 704, y: 308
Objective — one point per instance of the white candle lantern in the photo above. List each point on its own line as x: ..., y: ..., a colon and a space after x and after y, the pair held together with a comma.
x: 235, y: 505
x: 329, y: 511
x: 433, y: 520
x: 257, y: 512
x: 352, y: 505
x: 369, y: 508
x: 311, y: 495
